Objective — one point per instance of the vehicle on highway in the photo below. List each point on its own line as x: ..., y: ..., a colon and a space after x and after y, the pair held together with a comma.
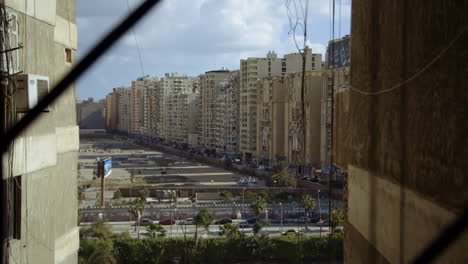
x: 144, y: 222
x: 278, y: 221
x: 167, y: 222
x: 291, y: 232
x: 253, y: 220
x: 223, y: 221
x: 338, y: 232
x: 243, y: 224
x: 188, y: 221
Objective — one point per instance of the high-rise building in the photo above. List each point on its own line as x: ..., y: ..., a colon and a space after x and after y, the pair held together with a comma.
x: 111, y: 113
x: 169, y: 86
x: 283, y: 132
x: 251, y: 70
x: 40, y: 166
x: 271, y: 109
x: 231, y: 112
x: 213, y: 85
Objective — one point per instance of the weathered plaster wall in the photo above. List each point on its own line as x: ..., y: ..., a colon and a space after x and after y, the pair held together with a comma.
x: 45, y: 154
x: 415, y: 136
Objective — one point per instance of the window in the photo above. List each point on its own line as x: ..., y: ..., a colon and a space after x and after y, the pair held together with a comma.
x: 283, y: 69
x: 16, y: 208
x: 68, y: 55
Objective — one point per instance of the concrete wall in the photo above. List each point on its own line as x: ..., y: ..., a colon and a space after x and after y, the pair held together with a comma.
x: 45, y: 154
x: 405, y: 152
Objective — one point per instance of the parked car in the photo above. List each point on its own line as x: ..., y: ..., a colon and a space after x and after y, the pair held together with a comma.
x: 278, y: 221
x: 243, y: 224
x: 167, y: 222
x: 290, y: 232
x: 223, y: 221
x: 253, y: 220
x: 188, y: 221
x: 144, y: 222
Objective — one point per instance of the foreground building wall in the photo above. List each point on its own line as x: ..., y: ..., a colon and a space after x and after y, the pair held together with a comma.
x: 406, y: 151
x: 45, y: 155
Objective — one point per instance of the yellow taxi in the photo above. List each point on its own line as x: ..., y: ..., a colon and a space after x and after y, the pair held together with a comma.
x: 338, y: 232
x: 291, y: 232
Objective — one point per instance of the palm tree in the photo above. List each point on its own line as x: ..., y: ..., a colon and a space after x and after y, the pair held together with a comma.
x: 336, y: 219
x: 309, y: 204
x: 258, y: 205
x: 136, y: 209
x: 230, y: 231
x: 152, y: 229
x: 204, y: 218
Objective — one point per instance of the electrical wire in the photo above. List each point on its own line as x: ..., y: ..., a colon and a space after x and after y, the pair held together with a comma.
x: 419, y: 72
x: 136, y: 44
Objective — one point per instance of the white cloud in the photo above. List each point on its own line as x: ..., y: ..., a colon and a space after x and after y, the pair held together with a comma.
x: 193, y: 36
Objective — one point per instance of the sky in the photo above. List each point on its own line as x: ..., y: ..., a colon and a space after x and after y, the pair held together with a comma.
x: 194, y: 36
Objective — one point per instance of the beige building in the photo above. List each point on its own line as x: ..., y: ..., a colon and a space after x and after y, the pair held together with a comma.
x: 280, y: 123
x: 124, y: 108
x: 231, y: 112
x: 303, y: 130
x: 111, y: 113
x: 213, y: 85
x: 251, y: 70
x: 170, y: 85
x: 40, y: 167
x: 271, y: 108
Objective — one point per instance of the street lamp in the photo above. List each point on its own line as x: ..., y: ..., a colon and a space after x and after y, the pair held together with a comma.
x: 320, y: 212
x: 212, y: 182
x: 274, y: 191
x: 172, y: 212
x: 281, y: 216
x: 243, y: 198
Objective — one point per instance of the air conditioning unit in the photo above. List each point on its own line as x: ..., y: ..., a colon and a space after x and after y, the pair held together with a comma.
x: 30, y: 89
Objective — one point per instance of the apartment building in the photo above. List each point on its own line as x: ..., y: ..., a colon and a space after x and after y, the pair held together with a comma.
x: 137, y: 106
x: 124, y: 116
x: 271, y: 109
x: 150, y: 106
x: 284, y: 134
x: 302, y: 120
x: 111, y: 113
x: 39, y: 169
x: 251, y: 70
x: 213, y: 86
x: 170, y: 86
x: 193, y: 119
x: 231, y: 112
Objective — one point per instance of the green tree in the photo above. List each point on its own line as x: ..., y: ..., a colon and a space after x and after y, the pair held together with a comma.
x: 257, y: 227
x: 117, y: 194
x: 144, y: 193
x: 258, y: 205
x: 97, y: 230
x: 227, y: 195
x: 136, y: 209
x: 153, y: 229
x: 139, y: 171
x: 336, y: 219
x: 284, y: 178
x: 96, y: 251
x: 204, y: 218
x: 230, y: 231
x: 309, y: 204
x: 251, y: 195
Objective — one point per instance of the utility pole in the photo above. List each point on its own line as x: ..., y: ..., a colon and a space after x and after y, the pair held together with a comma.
x: 100, y: 172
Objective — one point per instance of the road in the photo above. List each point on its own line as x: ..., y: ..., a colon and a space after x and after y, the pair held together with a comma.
x: 178, y: 230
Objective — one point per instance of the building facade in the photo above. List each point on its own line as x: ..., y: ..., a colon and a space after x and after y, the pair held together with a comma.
x: 251, y: 70
x: 40, y: 166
